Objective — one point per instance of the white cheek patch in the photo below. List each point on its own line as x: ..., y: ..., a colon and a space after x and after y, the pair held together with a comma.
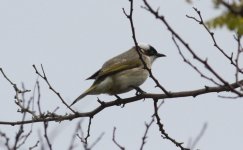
x: 144, y: 46
x: 152, y: 58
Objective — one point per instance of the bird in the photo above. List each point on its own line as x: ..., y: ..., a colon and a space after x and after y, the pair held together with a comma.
x: 123, y: 72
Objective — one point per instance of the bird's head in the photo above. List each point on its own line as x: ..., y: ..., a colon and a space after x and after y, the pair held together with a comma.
x: 150, y: 52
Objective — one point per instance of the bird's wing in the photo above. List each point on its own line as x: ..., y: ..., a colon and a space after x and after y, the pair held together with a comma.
x: 124, y: 61
x: 94, y: 76
x: 115, y: 68
x: 118, y: 67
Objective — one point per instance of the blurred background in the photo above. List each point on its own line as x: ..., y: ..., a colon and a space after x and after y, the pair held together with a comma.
x: 72, y: 39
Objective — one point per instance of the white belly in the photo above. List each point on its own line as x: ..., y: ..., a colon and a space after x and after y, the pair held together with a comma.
x: 126, y: 80
x: 121, y: 82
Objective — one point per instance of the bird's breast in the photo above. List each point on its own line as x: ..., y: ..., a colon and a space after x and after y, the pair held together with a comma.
x: 125, y: 80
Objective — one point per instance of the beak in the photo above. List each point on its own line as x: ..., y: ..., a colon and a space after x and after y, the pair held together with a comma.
x: 160, y: 55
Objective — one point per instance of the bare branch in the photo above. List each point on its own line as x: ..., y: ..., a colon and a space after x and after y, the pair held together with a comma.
x: 161, y: 128
x: 142, y: 96
x: 193, y: 66
x: 6, y: 143
x: 130, y: 17
x: 18, y: 136
x: 237, y: 68
x: 199, y: 136
x: 83, y: 139
x: 46, y: 136
x: 24, y: 138
x: 42, y: 145
x: 201, y: 22
x: 18, y: 91
x: 97, y: 140
x: 13, y: 84
x: 44, y: 77
x: 71, y: 146
x: 194, y: 55
x: 36, y: 144
x: 38, y: 98
x: 147, y: 125
x: 88, y: 131
x: 114, y: 140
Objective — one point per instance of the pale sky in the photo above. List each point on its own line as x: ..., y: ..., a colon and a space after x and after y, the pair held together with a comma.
x: 72, y: 39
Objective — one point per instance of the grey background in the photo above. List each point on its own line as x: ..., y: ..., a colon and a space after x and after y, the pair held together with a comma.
x: 72, y: 39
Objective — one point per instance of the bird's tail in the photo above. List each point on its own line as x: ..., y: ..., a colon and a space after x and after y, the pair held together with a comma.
x: 87, y: 92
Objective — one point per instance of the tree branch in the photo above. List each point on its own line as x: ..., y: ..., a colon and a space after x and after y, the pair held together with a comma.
x: 201, y: 22
x: 130, y: 17
x: 142, y: 96
x: 114, y: 139
x: 161, y: 128
x: 50, y: 87
x: 147, y: 125
x: 190, y: 50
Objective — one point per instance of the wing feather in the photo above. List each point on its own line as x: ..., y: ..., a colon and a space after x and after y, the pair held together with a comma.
x: 118, y: 67
x: 94, y: 76
x: 124, y: 61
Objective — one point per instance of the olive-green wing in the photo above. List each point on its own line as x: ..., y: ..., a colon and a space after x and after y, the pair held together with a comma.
x: 124, y: 61
x: 94, y: 76
x: 115, y: 68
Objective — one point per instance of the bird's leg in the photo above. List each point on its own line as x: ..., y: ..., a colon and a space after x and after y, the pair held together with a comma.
x: 138, y: 90
x: 118, y: 97
x: 119, y: 100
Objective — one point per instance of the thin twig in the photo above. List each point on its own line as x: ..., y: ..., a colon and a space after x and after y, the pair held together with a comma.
x: 201, y: 22
x: 237, y: 68
x: 97, y: 140
x: 71, y: 146
x: 18, y: 91
x: 148, y: 96
x: 46, y: 135
x: 19, y: 133
x: 6, y: 143
x: 88, y: 131
x: 44, y: 77
x: 82, y: 137
x: 38, y: 98
x: 199, y: 136
x: 193, y: 66
x: 130, y: 17
x: 195, y: 56
x: 114, y: 139
x: 147, y: 125
x: 36, y: 144
x: 13, y: 84
x: 161, y: 128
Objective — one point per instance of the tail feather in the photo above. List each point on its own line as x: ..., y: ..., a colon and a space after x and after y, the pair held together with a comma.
x: 79, y: 98
x: 82, y: 95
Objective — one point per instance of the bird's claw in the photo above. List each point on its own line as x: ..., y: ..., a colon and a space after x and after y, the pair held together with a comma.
x: 139, y: 91
x: 119, y: 102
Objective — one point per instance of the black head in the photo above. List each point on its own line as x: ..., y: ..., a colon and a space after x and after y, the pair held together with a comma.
x: 150, y: 50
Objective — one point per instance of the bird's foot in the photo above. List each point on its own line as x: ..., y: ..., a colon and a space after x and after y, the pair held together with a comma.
x: 119, y: 102
x: 139, y: 91
x: 118, y: 97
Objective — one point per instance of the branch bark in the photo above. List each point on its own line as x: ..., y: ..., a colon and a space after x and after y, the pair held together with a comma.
x: 142, y: 96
